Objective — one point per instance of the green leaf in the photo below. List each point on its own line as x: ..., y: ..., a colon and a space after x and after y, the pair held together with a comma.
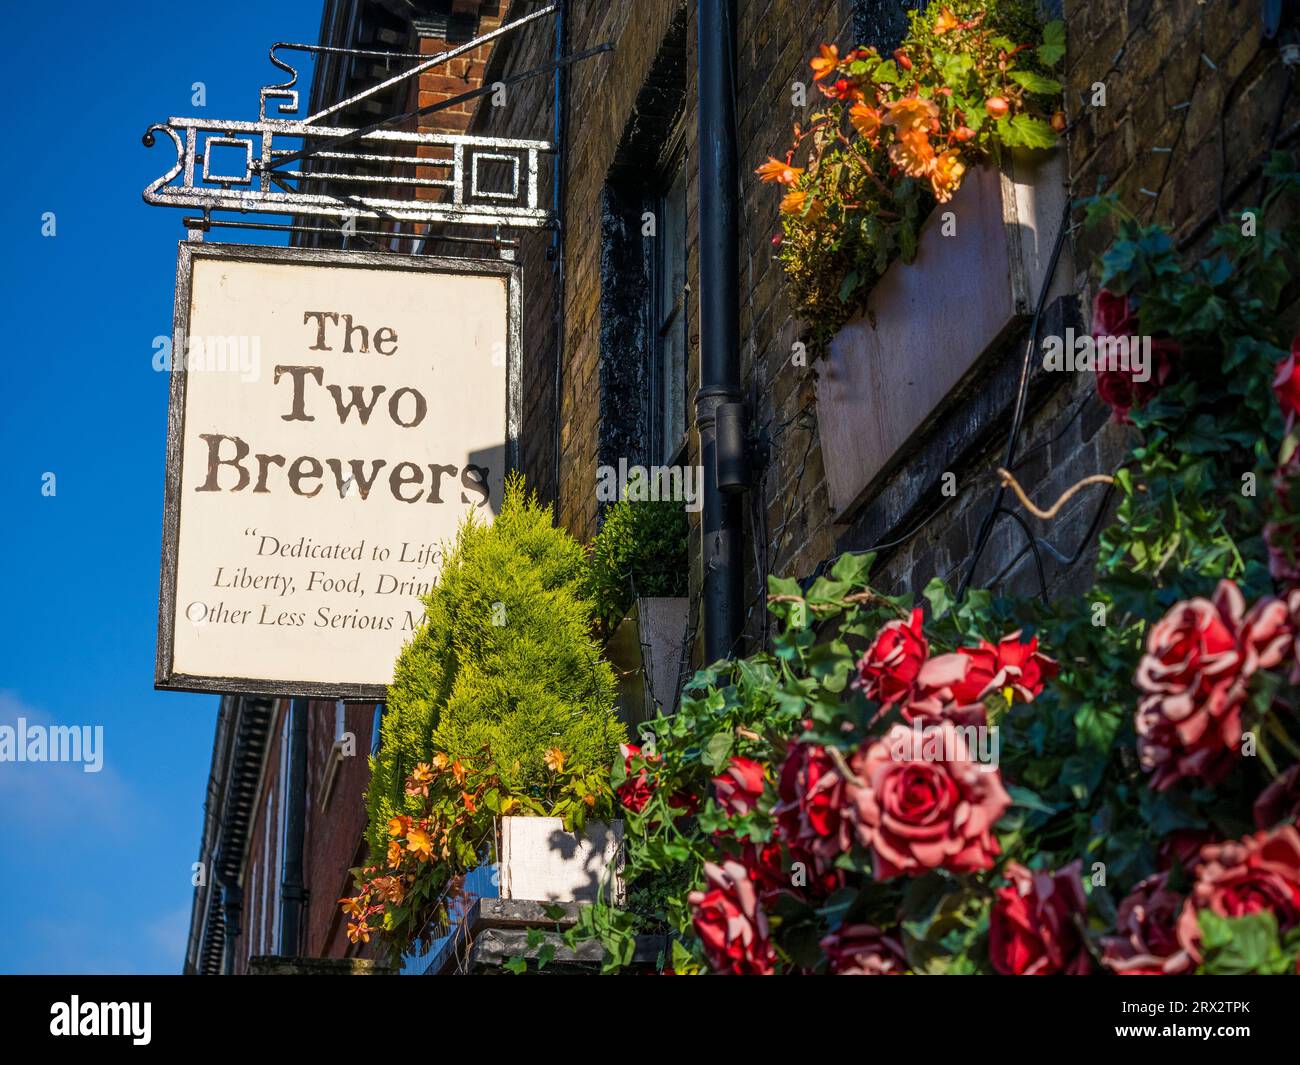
x: 718, y: 750
x: 1236, y: 946
x: 937, y: 594
x: 515, y: 965
x: 1025, y: 131
x: 1027, y: 79
x: 1053, y: 47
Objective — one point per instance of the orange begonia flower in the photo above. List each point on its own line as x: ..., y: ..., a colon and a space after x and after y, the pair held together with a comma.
x: 912, y: 154
x: 911, y: 113
x: 440, y: 761
x: 776, y: 172
x: 359, y: 931
x: 825, y: 62
x: 945, y: 22
x: 352, y: 907
x: 866, y: 120
x: 399, y: 826
x: 394, y: 852
x: 946, y: 175
x: 420, y: 779
x: 468, y: 799
x: 554, y: 759
x: 419, y: 844
x: 793, y: 202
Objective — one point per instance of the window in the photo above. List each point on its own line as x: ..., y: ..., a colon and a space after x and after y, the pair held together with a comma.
x: 668, y: 316
x: 882, y: 23
x: 644, y: 307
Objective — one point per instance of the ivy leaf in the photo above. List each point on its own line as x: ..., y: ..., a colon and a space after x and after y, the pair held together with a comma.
x: 718, y: 750
x: 515, y: 965
x: 1027, y: 79
x: 937, y: 594
x: 1053, y: 47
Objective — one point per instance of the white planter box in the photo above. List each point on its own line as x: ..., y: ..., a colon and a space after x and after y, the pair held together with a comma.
x: 646, y: 653
x: 542, y: 862
x: 928, y: 323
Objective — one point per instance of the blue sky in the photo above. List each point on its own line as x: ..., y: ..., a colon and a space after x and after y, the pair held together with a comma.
x: 95, y: 867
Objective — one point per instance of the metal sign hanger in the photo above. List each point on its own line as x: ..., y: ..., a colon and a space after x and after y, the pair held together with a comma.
x: 270, y: 172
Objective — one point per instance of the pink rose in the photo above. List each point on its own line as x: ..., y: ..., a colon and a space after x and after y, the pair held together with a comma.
x: 1189, y: 723
x: 1035, y: 923
x: 1146, y: 939
x: 1253, y: 875
x: 1113, y: 317
x: 740, y: 785
x: 810, y: 807
x: 1280, y: 801
x: 922, y: 803
x: 934, y: 700
x: 889, y: 668
x: 730, y: 923
x: 864, y: 950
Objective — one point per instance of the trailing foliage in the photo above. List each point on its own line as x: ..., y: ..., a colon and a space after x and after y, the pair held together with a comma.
x: 885, y: 793
x: 640, y: 551
x: 897, y: 136
x: 504, y: 668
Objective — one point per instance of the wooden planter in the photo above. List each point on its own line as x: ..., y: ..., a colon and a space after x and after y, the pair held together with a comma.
x: 542, y: 862
x: 646, y: 651
x: 928, y: 323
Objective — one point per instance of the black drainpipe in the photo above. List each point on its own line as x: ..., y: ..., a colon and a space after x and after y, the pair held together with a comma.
x: 292, y: 893
x: 719, y: 392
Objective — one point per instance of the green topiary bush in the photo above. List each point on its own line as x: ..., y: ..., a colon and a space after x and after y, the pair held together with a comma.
x: 504, y: 663
x: 640, y: 551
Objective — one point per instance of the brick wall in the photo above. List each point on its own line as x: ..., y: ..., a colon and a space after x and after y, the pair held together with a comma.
x: 336, y: 823
x: 1153, y: 57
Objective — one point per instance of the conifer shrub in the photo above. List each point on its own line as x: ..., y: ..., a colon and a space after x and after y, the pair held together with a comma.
x: 504, y: 671
x: 640, y: 551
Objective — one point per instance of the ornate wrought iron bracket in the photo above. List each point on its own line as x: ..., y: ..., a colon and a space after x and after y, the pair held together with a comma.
x: 262, y: 167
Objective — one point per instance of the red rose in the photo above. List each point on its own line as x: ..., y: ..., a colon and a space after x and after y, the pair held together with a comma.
x: 1010, y: 665
x: 1035, y: 923
x: 809, y: 810
x: 740, y: 786
x: 767, y: 868
x: 730, y: 923
x: 1146, y: 940
x: 1253, y: 875
x: 922, y: 803
x: 864, y: 950
x: 1112, y: 317
x: 1189, y: 723
x: 1282, y: 534
x: 636, y: 789
x: 1280, y: 801
x: 889, y: 668
x: 1286, y: 383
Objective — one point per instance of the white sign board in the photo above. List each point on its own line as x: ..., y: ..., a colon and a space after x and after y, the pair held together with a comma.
x: 334, y: 416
